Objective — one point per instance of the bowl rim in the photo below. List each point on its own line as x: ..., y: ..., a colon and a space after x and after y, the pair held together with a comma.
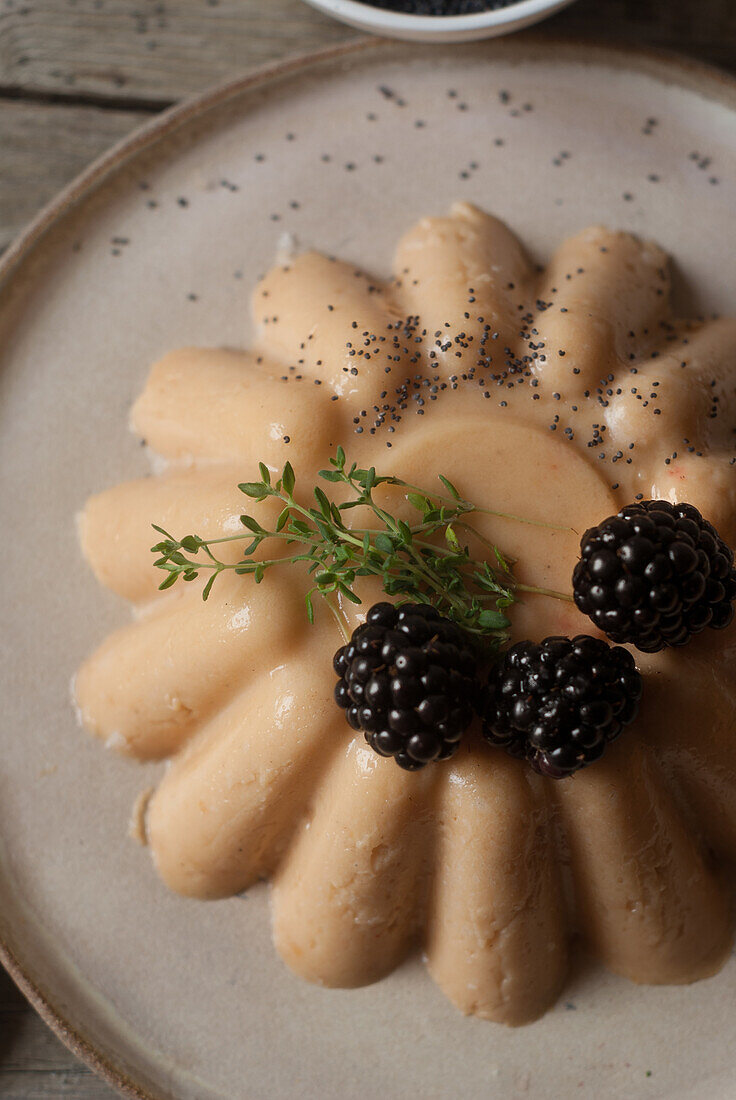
x: 375, y: 18
x: 708, y: 79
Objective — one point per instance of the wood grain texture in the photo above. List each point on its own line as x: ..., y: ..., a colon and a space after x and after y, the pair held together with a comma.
x: 33, y: 1063
x: 76, y: 76
x: 36, y: 164
x: 150, y: 52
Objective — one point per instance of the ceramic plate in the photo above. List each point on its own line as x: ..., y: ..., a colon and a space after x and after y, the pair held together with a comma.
x: 155, y: 247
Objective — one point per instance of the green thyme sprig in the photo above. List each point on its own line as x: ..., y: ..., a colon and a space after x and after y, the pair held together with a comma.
x: 423, y: 562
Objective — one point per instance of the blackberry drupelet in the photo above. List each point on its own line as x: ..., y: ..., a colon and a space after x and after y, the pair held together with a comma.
x: 654, y: 575
x: 558, y: 704
x: 407, y: 679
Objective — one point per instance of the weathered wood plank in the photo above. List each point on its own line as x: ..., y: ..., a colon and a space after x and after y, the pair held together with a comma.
x: 68, y: 1083
x: 33, y: 1064
x: 152, y: 50
x: 702, y: 29
x: 155, y: 51
x: 43, y: 147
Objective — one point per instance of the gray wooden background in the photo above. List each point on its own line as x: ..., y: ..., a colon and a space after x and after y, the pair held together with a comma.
x: 77, y: 75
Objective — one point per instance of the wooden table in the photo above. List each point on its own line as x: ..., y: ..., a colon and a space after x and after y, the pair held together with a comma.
x: 77, y: 75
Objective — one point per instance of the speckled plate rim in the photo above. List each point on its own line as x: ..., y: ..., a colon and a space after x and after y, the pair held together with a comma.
x: 673, y: 69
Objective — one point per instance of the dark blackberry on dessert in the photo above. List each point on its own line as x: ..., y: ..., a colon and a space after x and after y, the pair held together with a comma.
x: 407, y: 679
x: 654, y: 575
x: 560, y: 703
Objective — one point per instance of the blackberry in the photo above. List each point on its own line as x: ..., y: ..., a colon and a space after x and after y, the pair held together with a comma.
x: 407, y: 679
x: 654, y: 575
x: 558, y: 704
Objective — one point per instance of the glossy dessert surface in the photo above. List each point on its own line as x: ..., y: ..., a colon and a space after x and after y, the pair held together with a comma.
x: 527, y: 388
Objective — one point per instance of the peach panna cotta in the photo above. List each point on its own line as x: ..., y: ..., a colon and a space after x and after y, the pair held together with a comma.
x: 560, y: 394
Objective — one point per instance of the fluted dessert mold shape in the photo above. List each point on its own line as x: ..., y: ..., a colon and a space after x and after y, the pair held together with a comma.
x: 561, y: 394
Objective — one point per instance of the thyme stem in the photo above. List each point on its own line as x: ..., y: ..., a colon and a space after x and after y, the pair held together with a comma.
x: 422, y: 562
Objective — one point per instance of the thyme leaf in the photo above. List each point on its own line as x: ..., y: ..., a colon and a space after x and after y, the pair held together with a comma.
x: 428, y: 561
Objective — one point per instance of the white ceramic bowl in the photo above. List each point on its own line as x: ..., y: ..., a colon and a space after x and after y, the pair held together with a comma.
x: 440, y: 28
